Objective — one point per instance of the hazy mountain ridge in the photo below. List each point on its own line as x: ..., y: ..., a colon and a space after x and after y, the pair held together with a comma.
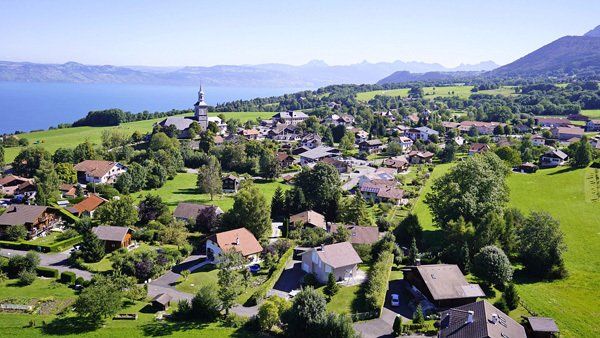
x: 313, y: 74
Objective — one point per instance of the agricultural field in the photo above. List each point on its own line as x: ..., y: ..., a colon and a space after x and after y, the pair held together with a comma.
x: 591, y: 113
x: 432, y: 92
x: 70, y: 137
x: 573, y: 197
x: 183, y: 189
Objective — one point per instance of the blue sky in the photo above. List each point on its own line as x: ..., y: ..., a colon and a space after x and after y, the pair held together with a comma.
x: 194, y: 33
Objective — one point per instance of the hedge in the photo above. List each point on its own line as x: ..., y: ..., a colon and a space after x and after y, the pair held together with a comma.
x: 70, y: 218
x: 46, y: 272
x: 68, y: 277
x: 55, y: 247
x: 377, y: 281
x: 261, y: 292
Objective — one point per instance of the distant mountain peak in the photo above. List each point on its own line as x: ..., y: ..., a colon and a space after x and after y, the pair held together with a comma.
x: 595, y: 33
x: 316, y: 63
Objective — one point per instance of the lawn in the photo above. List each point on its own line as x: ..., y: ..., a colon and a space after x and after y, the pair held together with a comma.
x: 591, y: 113
x: 183, y: 189
x: 46, y: 240
x: 41, y: 288
x: 70, y: 137
x: 432, y: 92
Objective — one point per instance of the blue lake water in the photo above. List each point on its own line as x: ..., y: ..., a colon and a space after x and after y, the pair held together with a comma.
x: 32, y: 106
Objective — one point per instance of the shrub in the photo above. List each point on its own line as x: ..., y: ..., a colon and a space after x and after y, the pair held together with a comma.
x: 67, y: 234
x: 397, y: 327
x: 501, y: 305
x: 206, y: 305
x: 16, y: 233
x: 79, y: 281
x: 268, y: 316
x: 492, y: 265
x: 511, y: 296
x: 26, y: 277
x: 377, y: 282
x: 47, y: 272
x: 67, y: 277
x: 261, y: 292
x: 310, y: 280
x: 332, y: 287
x: 418, y: 317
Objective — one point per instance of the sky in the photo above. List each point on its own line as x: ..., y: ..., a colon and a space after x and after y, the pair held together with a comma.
x: 205, y: 33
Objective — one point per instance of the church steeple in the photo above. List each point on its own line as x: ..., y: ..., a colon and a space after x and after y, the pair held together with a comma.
x: 201, y: 95
x: 201, y: 110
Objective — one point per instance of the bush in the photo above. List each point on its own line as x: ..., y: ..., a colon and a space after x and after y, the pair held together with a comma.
x: 26, y: 277
x: 46, y: 272
x: 501, y: 305
x: 206, y: 305
x: 492, y: 265
x: 310, y: 280
x: 16, y: 233
x: 261, y: 292
x: 377, y: 281
x: 67, y: 234
x: 79, y: 281
x: 511, y: 296
x: 68, y: 277
x: 332, y: 287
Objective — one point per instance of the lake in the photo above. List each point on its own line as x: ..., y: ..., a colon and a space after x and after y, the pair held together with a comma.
x: 32, y: 106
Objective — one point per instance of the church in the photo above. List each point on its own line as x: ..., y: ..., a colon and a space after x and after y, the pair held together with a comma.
x: 182, y: 124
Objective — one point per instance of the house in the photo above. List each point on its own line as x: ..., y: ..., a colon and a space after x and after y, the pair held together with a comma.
x: 358, y: 234
x: 289, y: 117
x: 417, y: 157
x: 382, y: 191
x: 341, y: 166
x: 450, y: 125
x: 309, y: 218
x: 400, y: 163
x: 311, y: 141
x: 231, y: 183
x: 341, y: 120
x: 68, y: 190
x: 241, y: 240
x: 412, y: 118
x: 161, y: 302
x: 479, y: 319
x: 359, y: 135
x: 553, y: 158
x: 97, y: 171
x: 478, y: 148
x: 551, y: 122
x: 566, y: 133
x: 189, y: 212
x: 250, y: 134
x: 406, y: 143
x: 483, y: 128
x: 592, y: 125
x: 37, y: 219
x: 340, y: 259
x: 87, y: 206
x: 443, y: 284
x: 541, y: 327
x: 421, y: 133
x: 527, y: 168
x: 114, y: 238
x: 318, y: 153
x: 284, y: 160
x: 538, y: 140
x: 371, y: 146
x: 12, y: 185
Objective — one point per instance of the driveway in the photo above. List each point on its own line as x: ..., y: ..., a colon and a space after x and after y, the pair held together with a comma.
x: 290, y: 279
x: 58, y: 261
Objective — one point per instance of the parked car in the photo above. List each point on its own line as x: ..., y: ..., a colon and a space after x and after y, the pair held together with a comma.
x: 254, y: 268
x: 395, y: 299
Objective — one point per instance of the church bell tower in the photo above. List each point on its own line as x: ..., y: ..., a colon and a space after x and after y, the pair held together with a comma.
x: 201, y: 110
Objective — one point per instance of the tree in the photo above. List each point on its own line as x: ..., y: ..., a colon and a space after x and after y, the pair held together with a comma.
x: 347, y: 141
x: 511, y: 156
x: 449, y: 152
x: 413, y: 252
x: 582, y: 156
x: 464, y: 262
x: 209, y: 178
x: 341, y: 234
x: 47, y: 183
x: 151, y: 208
x: 397, y: 327
x: 492, y: 265
x: 295, y: 201
x: 418, y: 317
x: 174, y: 233
x: 84, y: 151
x: 408, y: 228
x: 230, y: 280
x: 28, y: 161
x: 206, y: 305
x: 250, y: 209
x: 511, y: 296
x: 394, y: 149
x: 322, y: 189
x: 16, y: 233
x: 66, y: 173
x: 91, y: 248
x: 356, y: 212
x: 336, y: 325
x: 331, y: 288
x: 119, y: 212
x: 471, y: 189
x: 99, y: 301
x: 63, y: 155
x: 268, y: 315
x: 542, y: 245
x: 269, y: 167
x: 27, y: 277
x: 208, y: 219
x: 278, y: 204
x: 1, y: 156
x: 307, y: 313
x: 133, y: 180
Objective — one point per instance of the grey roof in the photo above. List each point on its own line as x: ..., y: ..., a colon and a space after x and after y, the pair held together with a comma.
x: 358, y: 234
x: 320, y: 152
x: 110, y: 233
x: 181, y: 123
x: 192, y: 210
x: 454, y: 324
x: 162, y: 298
x: 542, y: 324
x: 446, y: 281
x: 22, y: 214
x: 427, y: 130
x: 557, y: 153
x: 338, y: 255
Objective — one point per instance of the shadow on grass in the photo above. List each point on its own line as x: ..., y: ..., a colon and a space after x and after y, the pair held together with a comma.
x: 71, y: 325
x: 564, y: 170
x: 148, y: 309
x: 433, y: 238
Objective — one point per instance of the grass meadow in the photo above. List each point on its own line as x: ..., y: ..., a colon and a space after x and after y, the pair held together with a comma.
x: 432, y: 92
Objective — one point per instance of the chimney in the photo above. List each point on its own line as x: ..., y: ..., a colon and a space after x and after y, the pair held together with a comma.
x: 470, y: 317
x: 322, y: 247
x: 237, y: 240
x: 494, y: 318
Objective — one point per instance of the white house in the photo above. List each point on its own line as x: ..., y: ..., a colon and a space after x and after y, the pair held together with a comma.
x: 406, y: 143
x: 340, y: 259
x: 421, y: 133
x: 94, y: 171
x: 241, y: 240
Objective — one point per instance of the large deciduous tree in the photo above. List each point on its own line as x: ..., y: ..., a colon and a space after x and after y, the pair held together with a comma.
x: 119, y: 212
x: 209, y: 178
x: 542, y: 245
x: 492, y: 265
x: 29, y: 159
x: 47, y: 182
x: 322, y: 189
x: 250, y: 210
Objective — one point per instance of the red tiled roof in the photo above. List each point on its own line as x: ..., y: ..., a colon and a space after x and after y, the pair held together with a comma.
x: 241, y: 240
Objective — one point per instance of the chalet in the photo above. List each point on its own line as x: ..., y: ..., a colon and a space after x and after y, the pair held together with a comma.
x: 371, y: 146
x: 382, y: 191
x: 161, y: 302
x: 478, y: 148
x: 358, y: 234
x: 37, y: 219
x: 12, y: 185
x: 400, y: 163
x: 68, y: 190
x: 340, y: 259
x: 240, y: 240
x: 231, y: 183
x: 421, y: 133
x: 566, y: 133
x: 318, y: 153
x: 289, y: 117
x: 309, y: 218
x: 341, y: 166
x: 412, y: 118
x: 450, y: 125
x: 341, y: 120
x: 527, y: 168
x: 592, y: 125
x: 443, y: 284
x: 311, y: 141
x: 189, y: 212
x: 541, y: 327
x: 87, y: 206
x: 417, y: 157
x: 538, y: 140
x: 360, y: 136
x: 483, y: 128
x: 284, y: 160
x: 553, y: 158
x: 114, y: 238
x: 551, y: 122
x: 406, y: 143
x: 479, y: 319
x: 96, y: 171
x: 250, y: 134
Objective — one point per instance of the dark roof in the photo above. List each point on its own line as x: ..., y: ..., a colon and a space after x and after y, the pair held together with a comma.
x: 446, y: 281
x: 110, y: 233
x: 542, y: 324
x: 192, y: 210
x: 358, y: 234
x: 310, y: 218
x: 487, y: 322
x: 162, y: 299
x: 95, y: 168
x: 338, y: 255
x: 22, y: 214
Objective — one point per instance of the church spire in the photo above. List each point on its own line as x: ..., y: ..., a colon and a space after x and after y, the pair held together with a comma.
x: 200, y: 94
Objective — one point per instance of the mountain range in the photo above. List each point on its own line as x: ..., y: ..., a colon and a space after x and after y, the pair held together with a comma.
x: 311, y: 75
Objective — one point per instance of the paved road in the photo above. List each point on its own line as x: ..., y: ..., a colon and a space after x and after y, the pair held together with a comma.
x: 56, y: 261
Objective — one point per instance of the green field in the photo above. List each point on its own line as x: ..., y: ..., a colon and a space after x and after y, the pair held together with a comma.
x: 573, y: 197
x: 70, y: 137
x: 183, y: 189
x: 432, y: 92
x: 591, y: 113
